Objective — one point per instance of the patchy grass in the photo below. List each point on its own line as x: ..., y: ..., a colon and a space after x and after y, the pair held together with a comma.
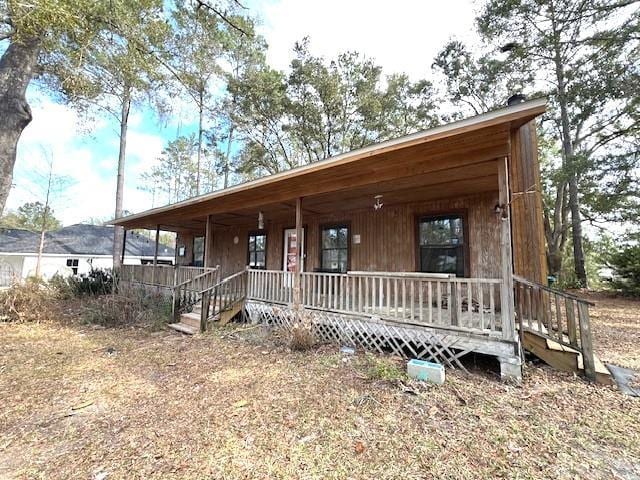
x: 79, y: 401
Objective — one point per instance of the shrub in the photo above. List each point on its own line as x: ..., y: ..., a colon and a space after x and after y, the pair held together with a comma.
x: 301, y: 336
x: 29, y: 301
x: 626, y: 263
x: 132, y: 307
x: 96, y: 282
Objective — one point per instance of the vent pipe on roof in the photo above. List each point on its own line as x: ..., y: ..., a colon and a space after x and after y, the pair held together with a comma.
x: 515, y: 99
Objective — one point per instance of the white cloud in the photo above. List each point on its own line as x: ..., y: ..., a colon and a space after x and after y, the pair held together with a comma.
x: 401, y: 36
x: 90, y: 163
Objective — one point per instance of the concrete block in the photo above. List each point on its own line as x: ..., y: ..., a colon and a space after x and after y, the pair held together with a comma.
x: 427, y: 371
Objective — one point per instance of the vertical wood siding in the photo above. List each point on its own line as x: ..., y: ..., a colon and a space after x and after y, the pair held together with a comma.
x: 388, y: 237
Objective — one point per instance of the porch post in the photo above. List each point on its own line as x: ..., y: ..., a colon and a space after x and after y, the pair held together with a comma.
x: 124, y: 246
x: 296, y: 275
x: 506, y: 292
x: 208, y: 242
x: 155, y: 255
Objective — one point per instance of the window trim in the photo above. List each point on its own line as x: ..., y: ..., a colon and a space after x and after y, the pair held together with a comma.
x: 266, y: 246
x: 460, y: 212
x: 325, y: 226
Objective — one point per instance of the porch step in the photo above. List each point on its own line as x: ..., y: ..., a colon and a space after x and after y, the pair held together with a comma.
x: 192, y: 319
x: 562, y: 357
x: 182, y: 328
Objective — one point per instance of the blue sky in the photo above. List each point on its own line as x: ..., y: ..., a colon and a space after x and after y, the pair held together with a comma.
x: 402, y: 36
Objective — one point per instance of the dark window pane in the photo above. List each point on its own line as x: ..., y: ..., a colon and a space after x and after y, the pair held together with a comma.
x: 260, y: 259
x: 198, y: 250
x: 442, y: 245
x: 442, y: 231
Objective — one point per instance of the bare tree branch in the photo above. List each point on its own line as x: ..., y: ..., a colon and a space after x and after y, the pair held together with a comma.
x: 222, y: 15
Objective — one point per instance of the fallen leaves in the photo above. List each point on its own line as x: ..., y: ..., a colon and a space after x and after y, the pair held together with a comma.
x: 220, y: 412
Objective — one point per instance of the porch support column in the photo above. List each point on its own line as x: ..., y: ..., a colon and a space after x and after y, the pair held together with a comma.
x: 296, y: 275
x: 208, y: 242
x: 124, y: 246
x: 155, y: 254
x: 506, y: 292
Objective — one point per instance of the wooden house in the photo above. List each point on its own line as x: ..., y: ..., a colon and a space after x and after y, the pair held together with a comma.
x: 410, y: 245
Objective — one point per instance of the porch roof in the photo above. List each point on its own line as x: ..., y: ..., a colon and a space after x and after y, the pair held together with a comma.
x: 455, y: 159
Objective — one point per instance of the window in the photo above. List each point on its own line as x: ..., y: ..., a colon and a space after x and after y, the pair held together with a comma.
x: 258, y: 250
x: 334, y: 248
x: 198, y: 251
x: 442, y: 244
x: 73, y: 264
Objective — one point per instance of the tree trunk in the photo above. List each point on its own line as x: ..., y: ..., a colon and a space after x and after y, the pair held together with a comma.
x: 43, y: 226
x: 569, y: 162
x: 118, y: 234
x: 200, y: 119
x: 17, y: 68
x: 227, y: 156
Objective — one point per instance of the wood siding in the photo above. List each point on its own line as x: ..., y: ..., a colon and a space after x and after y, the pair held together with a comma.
x: 388, y: 237
x: 529, y: 257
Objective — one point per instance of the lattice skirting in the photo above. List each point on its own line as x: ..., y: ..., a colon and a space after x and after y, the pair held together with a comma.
x: 367, y: 333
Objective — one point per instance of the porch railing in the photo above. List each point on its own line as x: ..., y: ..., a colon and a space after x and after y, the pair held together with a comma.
x: 557, y: 315
x: 189, y: 292
x: 222, y: 297
x: 471, y: 304
x: 161, y: 275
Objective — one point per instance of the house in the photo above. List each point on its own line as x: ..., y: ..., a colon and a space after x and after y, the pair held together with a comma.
x: 71, y: 250
x: 429, y: 245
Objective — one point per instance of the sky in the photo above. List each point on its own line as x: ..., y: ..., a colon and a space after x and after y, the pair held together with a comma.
x: 402, y: 36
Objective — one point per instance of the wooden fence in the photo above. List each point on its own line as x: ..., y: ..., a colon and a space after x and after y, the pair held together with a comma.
x: 472, y: 304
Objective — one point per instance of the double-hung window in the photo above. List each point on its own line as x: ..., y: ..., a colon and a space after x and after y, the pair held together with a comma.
x: 334, y: 248
x: 258, y: 250
x: 442, y: 244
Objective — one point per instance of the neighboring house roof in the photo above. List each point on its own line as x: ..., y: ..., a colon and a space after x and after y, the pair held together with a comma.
x: 78, y: 240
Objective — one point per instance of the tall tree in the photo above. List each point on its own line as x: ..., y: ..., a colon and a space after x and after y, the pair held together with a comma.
x: 322, y: 109
x: 31, y: 216
x: 120, y: 69
x: 582, y: 55
x: 196, y: 52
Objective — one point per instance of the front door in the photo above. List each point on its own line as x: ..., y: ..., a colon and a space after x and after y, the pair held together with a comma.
x: 291, y: 251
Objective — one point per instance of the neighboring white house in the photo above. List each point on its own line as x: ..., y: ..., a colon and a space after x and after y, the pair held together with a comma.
x: 72, y: 250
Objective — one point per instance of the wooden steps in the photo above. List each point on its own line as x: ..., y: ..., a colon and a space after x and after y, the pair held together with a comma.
x: 562, y: 357
x: 190, y: 322
x: 182, y: 328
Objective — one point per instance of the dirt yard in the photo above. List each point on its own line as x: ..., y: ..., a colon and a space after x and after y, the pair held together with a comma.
x: 86, y: 402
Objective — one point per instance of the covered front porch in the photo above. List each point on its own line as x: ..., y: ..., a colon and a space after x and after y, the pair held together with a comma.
x: 402, y: 246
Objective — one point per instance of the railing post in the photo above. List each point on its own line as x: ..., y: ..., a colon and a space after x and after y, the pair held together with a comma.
x: 204, y: 310
x: 586, y: 341
x: 296, y: 278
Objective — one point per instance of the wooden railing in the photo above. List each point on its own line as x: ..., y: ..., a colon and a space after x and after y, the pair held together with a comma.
x: 556, y: 315
x: 161, y: 275
x: 472, y: 304
x: 222, y: 297
x: 189, y: 292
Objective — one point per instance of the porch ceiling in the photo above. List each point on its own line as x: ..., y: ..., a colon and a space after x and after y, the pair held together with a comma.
x: 453, y: 160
